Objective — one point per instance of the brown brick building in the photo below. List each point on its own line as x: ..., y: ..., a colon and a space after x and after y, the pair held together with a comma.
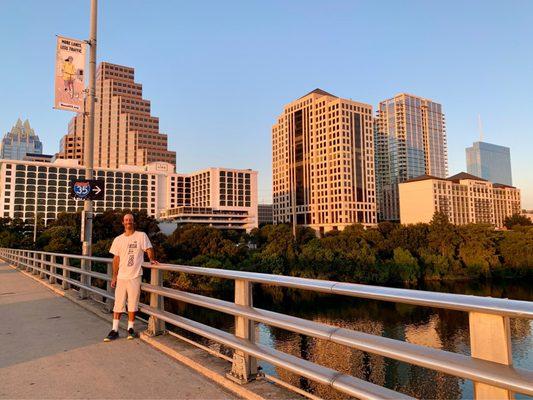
x: 125, y: 131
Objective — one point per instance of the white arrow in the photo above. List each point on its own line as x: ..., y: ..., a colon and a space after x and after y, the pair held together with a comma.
x: 97, y: 189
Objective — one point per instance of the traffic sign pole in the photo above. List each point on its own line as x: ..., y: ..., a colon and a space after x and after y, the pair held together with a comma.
x: 89, y: 148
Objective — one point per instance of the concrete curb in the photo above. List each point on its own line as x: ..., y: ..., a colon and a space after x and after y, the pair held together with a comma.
x: 208, y: 373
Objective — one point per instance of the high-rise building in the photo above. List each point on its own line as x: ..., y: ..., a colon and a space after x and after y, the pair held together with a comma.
x: 490, y: 162
x: 19, y: 141
x: 125, y: 133
x: 464, y: 198
x: 323, y: 163
x: 410, y: 140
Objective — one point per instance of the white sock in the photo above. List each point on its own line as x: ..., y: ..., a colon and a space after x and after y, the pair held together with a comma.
x: 115, y: 324
x: 130, y: 324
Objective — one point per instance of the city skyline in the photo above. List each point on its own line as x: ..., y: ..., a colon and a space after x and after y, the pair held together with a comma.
x: 200, y: 92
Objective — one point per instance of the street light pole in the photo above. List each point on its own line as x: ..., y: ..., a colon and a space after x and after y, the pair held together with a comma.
x: 89, y: 147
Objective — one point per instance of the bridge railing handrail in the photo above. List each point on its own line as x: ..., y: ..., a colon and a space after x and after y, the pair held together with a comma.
x: 459, y: 302
x: 487, y: 373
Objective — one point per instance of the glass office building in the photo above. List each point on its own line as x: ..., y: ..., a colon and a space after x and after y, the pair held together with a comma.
x: 20, y: 141
x: 490, y: 162
x: 410, y: 141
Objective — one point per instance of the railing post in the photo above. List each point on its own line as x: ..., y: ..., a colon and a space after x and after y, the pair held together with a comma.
x: 85, y: 266
x: 52, y: 279
x: 26, y: 266
x: 490, y: 339
x: 109, y: 289
x: 244, y: 367
x: 66, y: 274
x: 42, y: 258
x: 35, y: 264
x: 155, y: 325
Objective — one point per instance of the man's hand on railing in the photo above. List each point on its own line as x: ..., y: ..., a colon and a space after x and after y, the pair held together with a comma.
x: 154, y: 262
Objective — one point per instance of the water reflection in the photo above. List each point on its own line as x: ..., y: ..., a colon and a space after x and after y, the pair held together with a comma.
x: 436, y: 328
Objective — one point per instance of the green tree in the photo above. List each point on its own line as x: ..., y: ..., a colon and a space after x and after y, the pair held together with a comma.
x: 406, y: 266
x: 515, y: 251
x: 477, y: 250
x: 62, y: 239
x: 442, y: 236
x: 517, y: 220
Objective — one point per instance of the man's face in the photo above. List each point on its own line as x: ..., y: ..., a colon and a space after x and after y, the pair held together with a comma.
x: 128, y: 222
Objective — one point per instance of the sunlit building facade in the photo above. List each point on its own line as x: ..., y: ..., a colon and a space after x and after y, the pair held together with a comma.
x: 217, y: 197
x: 410, y: 140
x: 464, y: 198
x: 323, y: 163
x: 125, y: 131
x: 223, y: 198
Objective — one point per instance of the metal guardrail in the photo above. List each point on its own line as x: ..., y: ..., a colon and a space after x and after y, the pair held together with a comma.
x: 489, y: 366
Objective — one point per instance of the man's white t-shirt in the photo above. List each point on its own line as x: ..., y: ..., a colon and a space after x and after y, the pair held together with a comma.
x: 131, y: 250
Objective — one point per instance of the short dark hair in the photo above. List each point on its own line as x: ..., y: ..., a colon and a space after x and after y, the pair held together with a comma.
x: 128, y: 213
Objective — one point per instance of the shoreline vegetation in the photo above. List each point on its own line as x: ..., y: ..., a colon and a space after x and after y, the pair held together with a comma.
x: 391, y: 254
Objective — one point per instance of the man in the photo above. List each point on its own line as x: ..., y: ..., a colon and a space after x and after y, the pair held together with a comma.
x: 128, y: 250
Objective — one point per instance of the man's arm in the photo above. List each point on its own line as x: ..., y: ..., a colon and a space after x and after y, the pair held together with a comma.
x: 116, y: 264
x: 151, y: 255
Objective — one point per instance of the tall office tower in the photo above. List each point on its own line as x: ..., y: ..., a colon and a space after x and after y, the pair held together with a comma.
x: 410, y: 141
x: 323, y: 163
x: 490, y: 162
x: 124, y: 133
x: 19, y: 141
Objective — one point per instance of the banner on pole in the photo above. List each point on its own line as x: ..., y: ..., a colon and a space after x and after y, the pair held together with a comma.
x: 69, y: 74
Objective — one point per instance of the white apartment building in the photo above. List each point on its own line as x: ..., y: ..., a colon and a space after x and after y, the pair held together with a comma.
x: 28, y: 187
x: 219, y: 197
x: 464, y: 198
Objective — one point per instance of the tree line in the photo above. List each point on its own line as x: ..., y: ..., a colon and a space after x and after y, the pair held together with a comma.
x: 391, y: 253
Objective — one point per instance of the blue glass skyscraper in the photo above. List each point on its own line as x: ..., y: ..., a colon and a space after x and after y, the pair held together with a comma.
x: 490, y: 162
x: 20, y: 141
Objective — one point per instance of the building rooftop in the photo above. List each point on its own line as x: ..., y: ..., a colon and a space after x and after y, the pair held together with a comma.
x: 320, y: 92
x: 501, y: 185
x: 456, y: 178
x: 424, y: 178
x: 463, y: 175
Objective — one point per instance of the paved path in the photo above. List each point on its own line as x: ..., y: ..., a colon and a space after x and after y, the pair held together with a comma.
x: 52, y: 348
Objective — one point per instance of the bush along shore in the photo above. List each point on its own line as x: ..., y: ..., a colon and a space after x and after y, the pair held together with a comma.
x: 389, y: 254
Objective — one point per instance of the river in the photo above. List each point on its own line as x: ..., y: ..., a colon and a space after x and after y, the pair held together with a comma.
x: 437, y: 328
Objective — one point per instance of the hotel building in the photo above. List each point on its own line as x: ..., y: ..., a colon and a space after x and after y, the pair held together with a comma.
x: 125, y: 131
x: 490, y: 162
x: 410, y: 140
x: 464, y: 198
x: 224, y: 198
x: 323, y: 163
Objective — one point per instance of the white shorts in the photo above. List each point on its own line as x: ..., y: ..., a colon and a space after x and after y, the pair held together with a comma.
x: 129, y: 289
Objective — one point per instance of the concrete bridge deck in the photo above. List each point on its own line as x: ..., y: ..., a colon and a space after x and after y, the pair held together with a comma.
x: 52, y: 348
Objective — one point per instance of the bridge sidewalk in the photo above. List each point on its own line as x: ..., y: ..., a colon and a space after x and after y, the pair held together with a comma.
x: 51, y: 348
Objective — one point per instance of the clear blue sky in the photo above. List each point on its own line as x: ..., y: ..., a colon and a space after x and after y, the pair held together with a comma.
x: 219, y: 72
